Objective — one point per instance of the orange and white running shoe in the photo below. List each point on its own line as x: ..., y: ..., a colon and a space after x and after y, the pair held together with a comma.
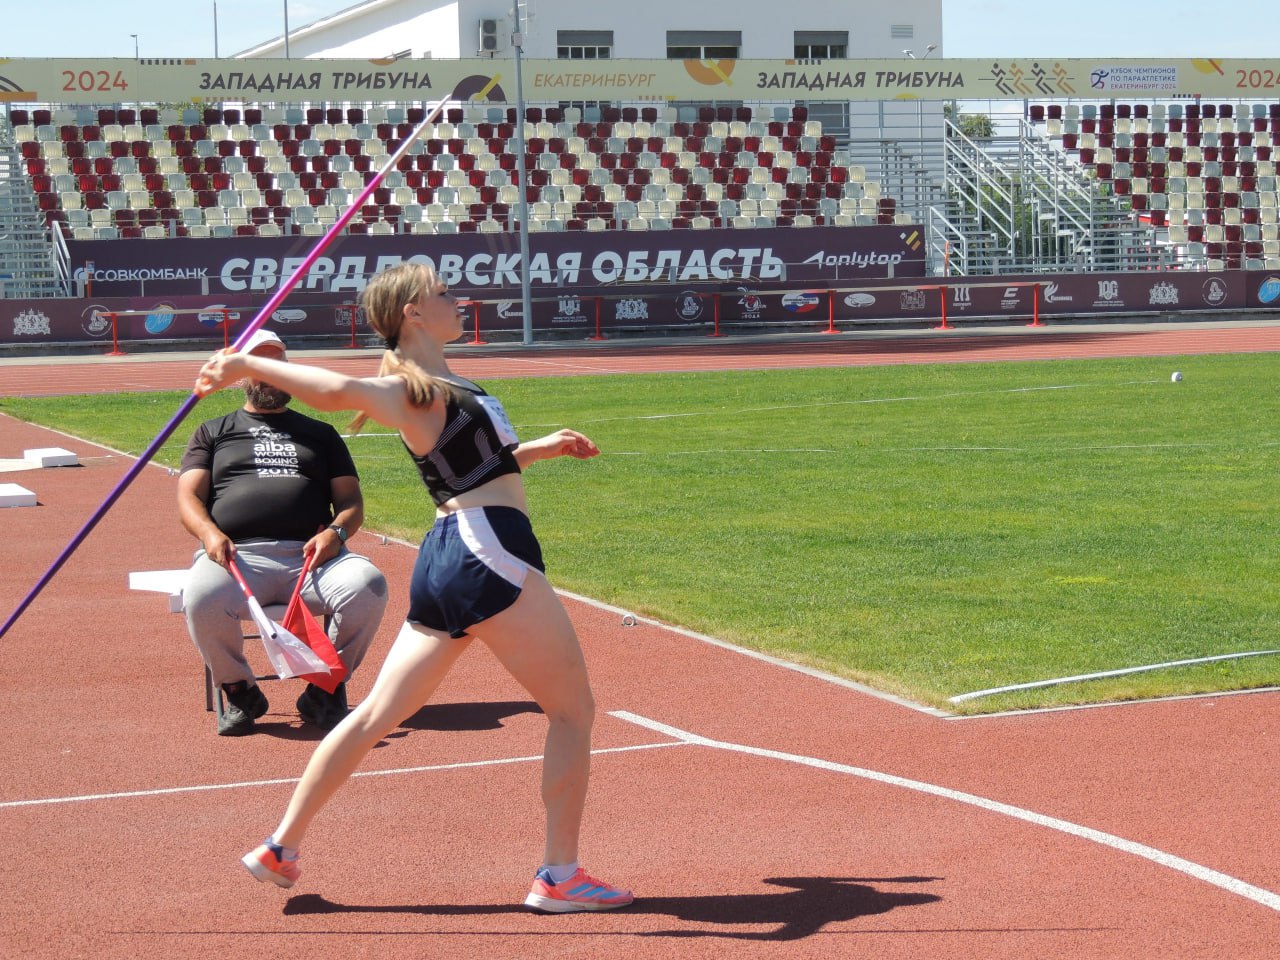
x: 580, y: 892
x: 268, y: 863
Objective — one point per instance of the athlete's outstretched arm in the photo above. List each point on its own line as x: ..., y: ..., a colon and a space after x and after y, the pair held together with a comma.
x: 386, y: 399
x: 562, y: 443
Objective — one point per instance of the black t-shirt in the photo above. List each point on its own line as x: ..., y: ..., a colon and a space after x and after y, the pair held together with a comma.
x: 270, y: 473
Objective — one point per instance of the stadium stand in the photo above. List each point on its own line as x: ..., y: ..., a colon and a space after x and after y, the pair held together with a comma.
x: 262, y: 171
x: 1201, y: 176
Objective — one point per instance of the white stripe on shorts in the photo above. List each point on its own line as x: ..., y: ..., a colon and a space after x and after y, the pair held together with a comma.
x: 478, y: 535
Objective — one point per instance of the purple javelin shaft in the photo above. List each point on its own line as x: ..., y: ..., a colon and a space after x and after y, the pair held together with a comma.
x: 189, y: 404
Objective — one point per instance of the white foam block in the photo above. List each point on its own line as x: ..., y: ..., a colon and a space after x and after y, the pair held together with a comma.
x: 161, y: 581
x: 51, y: 457
x: 12, y: 495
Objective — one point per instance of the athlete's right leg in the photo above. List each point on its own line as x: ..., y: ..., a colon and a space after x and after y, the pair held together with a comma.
x: 419, y: 659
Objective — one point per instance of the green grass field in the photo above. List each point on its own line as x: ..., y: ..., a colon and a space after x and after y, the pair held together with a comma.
x: 929, y: 530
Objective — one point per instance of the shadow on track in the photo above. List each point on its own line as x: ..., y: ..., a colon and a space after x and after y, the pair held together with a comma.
x: 805, y: 909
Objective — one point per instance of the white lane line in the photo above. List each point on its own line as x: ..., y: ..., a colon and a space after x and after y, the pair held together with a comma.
x: 251, y: 784
x: 1224, y: 881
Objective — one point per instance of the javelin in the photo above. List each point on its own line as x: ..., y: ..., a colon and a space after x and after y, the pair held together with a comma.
x: 189, y: 404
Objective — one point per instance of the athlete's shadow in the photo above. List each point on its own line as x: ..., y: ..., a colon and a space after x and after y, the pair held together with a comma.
x: 443, y: 717
x: 804, y: 909
x: 810, y: 904
x: 457, y: 717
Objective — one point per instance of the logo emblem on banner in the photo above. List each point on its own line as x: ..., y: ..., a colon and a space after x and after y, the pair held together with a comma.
x: 1269, y: 292
x: 94, y: 321
x: 801, y: 302
x: 568, y: 310
x: 689, y: 306
x: 1051, y: 294
x: 859, y: 300
x: 913, y: 300
x: 632, y: 309
x: 159, y: 319
x: 212, y: 315
x: 31, y: 323
x: 1164, y: 294
x: 711, y: 72
x: 1108, y: 290
x: 342, y: 314
x: 1215, y: 291
x: 750, y: 303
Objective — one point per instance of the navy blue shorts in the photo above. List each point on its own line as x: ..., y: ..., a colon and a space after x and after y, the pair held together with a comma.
x: 472, y: 565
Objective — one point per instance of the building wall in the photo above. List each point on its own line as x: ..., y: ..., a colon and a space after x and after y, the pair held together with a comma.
x: 381, y: 28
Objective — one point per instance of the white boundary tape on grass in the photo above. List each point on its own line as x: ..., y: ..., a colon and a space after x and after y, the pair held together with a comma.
x: 1079, y: 678
x: 1224, y: 881
x: 630, y: 619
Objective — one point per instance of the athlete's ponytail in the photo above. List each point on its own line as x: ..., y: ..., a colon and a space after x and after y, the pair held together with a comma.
x: 384, y: 300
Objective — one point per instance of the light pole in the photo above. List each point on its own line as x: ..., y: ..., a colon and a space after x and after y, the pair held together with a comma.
x: 215, y: 30
x: 135, y: 45
x: 286, y: 29
x: 526, y: 297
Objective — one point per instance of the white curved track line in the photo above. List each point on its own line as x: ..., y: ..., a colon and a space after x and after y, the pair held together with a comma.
x: 1226, y: 882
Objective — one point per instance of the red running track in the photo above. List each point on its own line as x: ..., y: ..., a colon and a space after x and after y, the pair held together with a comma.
x: 756, y: 810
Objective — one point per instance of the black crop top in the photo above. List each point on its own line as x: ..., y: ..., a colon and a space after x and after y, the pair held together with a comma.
x: 475, y: 445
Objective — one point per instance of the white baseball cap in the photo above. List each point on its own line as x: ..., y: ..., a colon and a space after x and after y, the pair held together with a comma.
x: 261, y: 338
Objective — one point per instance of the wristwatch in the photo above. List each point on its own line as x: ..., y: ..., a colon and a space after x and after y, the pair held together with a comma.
x: 340, y: 530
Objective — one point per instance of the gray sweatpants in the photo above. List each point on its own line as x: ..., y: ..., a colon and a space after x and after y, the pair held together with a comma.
x: 349, y: 589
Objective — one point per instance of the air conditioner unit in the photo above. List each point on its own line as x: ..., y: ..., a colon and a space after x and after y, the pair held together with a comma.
x: 488, y: 36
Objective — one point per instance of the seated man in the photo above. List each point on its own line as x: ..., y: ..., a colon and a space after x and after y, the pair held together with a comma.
x: 270, y: 487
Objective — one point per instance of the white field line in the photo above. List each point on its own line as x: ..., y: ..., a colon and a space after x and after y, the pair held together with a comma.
x: 846, y: 403
x: 1110, y: 704
x: 1081, y: 677
x: 1224, y: 881
x: 284, y: 781
x: 629, y: 618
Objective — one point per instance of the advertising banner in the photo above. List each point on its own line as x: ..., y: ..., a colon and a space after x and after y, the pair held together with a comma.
x: 486, y: 266
x: 576, y: 312
x: 110, y: 81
